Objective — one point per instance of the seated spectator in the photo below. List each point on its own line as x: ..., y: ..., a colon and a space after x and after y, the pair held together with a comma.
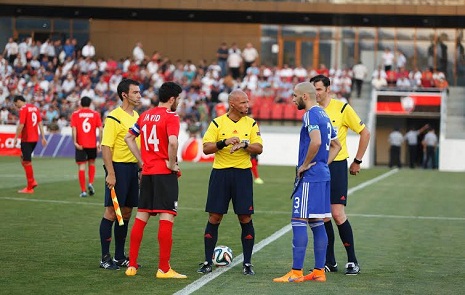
x: 379, y: 81
x: 403, y: 83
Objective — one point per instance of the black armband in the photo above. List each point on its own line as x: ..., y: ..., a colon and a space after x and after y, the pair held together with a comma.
x: 221, y: 144
x: 357, y: 161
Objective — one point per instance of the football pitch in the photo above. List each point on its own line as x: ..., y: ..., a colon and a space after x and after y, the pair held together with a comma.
x: 408, y: 227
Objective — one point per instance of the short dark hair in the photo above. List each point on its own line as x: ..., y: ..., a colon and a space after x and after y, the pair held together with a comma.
x: 19, y: 97
x: 85, y: 101
x: 168, y: 90
x: 124, y: 85
x: 321, y: 78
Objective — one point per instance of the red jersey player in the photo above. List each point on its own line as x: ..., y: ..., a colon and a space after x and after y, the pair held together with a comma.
x: 84, y: 123
x: 158, y: 129
x: 28, y: 129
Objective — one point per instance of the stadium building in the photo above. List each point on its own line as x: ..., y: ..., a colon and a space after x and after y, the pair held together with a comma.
x: 336, y: 33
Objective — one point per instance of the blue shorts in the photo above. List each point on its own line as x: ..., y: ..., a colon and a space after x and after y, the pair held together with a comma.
x: 311, y: 200
x: 227, y: 184
x: 339, y: 182
x: 126, y: 187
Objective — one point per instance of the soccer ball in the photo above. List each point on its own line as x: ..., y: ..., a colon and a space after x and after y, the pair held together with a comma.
x: 222, y: 256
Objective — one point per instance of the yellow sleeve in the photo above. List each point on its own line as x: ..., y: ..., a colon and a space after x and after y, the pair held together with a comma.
x: 211, y: 135
x: 352, y: 120
x: 255, y: 136
x: 109, y: 132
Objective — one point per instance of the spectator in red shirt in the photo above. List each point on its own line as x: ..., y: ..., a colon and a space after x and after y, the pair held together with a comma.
x: 29, y: 120
x: 85, y: 122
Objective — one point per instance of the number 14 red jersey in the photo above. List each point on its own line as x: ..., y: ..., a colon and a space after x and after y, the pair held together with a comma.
x: 86, y: 121
x: 154, y: 127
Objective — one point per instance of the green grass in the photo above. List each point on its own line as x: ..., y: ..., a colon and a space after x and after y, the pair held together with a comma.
x: 408, y: 233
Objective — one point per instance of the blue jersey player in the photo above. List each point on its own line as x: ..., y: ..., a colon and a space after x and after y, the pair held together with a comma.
x: 311, y: 200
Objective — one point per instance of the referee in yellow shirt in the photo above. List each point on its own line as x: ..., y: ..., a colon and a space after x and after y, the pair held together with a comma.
x: 121, y: 173
x: 232, y: 137
x: 343, y: 117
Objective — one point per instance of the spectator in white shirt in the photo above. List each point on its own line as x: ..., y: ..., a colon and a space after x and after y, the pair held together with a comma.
x: 250, y: 55
x: 360, y: 73
x: 138, y: 53
x: 11, y: 51
x: 88, y: 50
x: 388, y: 59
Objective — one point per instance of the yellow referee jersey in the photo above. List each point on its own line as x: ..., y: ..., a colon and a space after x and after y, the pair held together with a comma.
x: 343, y: 117
x: 223, y: 128
x: 116, y: 127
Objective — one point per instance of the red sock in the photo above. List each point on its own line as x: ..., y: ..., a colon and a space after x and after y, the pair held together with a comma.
x: 91, y: 173
x: 29, y: 173
x: 137, y: 233
x: 82, y: 180
x: 255, y: 168
x: 165, y: 241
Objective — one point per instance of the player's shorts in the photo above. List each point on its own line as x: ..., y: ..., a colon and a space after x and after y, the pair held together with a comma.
x: 127, y: 185
x: 26, y: 150
x: 311, y: 200
x: 85, y: 154
x: 227, y: 184
x: 159, y: 194
x: 339, y: 182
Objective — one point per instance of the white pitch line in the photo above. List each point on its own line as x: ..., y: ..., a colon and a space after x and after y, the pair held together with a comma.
x: 194, y: 286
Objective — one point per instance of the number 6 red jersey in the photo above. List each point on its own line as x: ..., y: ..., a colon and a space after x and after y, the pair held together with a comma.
x: 86, y: 121
x: 29, y: 115
x: 154, y: 127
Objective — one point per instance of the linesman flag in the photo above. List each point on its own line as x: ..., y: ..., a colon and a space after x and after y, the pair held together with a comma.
x: 119, y: 216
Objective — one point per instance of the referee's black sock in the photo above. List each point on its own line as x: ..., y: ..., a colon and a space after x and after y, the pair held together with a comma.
x: 105, y: 235
x: 248, y: 240
x: 330, y: 257
x: 347, y: 238
x: 121, y: 233
x: 210, y: 238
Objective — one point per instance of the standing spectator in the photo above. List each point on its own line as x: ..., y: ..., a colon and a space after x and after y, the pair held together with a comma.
x: 388, y: 59
x: 88, y: 50
x: 343, y: 117
x: 311, y: 199
x: 159, y: 182
x: 360, y: 73
x: 85, y: 123
x: 401, y: 60
x: 121, y: 173
x: 11, y: 51
x: 430, y: 143
x: 395, y: 139
x: 232, y: 138
x: 29, y: 120
x: 222, y: 57
x: 250, y: 55
x: 4, y: 114
x: 68, y: 48
x: 138, y: 53
x: 234, y: 61
x: 412, y: 141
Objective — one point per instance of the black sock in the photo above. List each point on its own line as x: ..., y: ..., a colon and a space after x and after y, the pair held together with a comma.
x: 347, y: 238
x: 330, y: 257
x: 210, y: 238
x: 248, y: 240
x: 120, y: 239
x: 105, y: 235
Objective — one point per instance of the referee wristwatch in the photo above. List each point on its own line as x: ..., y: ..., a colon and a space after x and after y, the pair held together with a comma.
x: 357, y: 161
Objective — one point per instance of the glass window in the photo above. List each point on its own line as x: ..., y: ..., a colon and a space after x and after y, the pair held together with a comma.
x: 326, y: 53
x: 6, y: 30
x: 307, y: 54
x: 386, y: 33
x: 327, y: 32
x: 61, y: 25
x: 80, y: 25
x: 33, y: 24
x: 347, y: 53
x: 366, y: 33
x: 299, y: 31
x: 405, y: 33
x: 348, y: 32
x: 268, y: 40
x: 289, y: 53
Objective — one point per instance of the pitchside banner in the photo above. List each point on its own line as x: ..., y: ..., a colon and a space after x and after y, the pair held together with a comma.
x: 409, y: 103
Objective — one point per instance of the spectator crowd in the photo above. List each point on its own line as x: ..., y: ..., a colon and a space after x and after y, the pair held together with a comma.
x: 55, y: 75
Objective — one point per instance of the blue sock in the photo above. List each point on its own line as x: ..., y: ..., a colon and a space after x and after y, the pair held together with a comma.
x: 210, y: 238
x: 320, y: 243
x: 105, y: 235
x: 248, y: 240
x: 121, y: 233
x: 299, y: 243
